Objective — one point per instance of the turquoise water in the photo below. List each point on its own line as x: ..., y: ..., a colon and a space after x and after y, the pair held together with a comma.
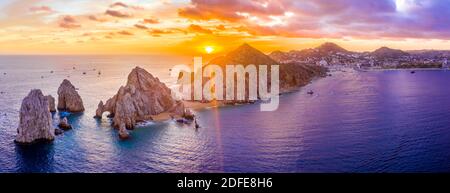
x: 379, y: 121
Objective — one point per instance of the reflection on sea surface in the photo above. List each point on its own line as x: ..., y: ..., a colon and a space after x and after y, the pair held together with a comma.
x: 378, y: 121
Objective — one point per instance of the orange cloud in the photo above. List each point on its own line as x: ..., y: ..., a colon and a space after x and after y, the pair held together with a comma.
x: 95, y: 18
x: 69, y: 22
x: 221, y: 27
x: 126, y: 33
x: 151, y: 21
x: 159, y: 32
x: 198, y: 29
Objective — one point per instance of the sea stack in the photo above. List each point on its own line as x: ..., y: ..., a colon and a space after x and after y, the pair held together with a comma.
x: 143, y: 97
x: 99, y: 111
x: 68, y: 98
x: 51, y: 103
x: 35, y: 119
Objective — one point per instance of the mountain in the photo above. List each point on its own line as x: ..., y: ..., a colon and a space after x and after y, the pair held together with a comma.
x: 325, y: 50
x: 430, y: 53
x: 385, y: 52
x: 329, y: 47
x: 292, y: 76
x: 245, y: 55
x: 279, y: 55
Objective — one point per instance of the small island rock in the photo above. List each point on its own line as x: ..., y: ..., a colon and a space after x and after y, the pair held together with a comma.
x: 64, y: 124
x: 68, y: 98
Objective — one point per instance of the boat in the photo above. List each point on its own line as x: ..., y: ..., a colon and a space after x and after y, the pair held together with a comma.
x: 412, y: 72
x: 310, y: 92
x: 196, y: 124
x: 183, y: 121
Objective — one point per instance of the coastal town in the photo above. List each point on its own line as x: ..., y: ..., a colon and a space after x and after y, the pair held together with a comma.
x: 332, y: 55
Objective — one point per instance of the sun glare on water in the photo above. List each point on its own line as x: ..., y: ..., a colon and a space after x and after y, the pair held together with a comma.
x: 209, y: 49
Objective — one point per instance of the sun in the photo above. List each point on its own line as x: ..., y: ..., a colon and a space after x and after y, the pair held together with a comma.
x: 209, y: 49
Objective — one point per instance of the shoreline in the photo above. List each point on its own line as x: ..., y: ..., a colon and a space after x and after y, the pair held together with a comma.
x: 201, y: 106
x: 191, y: 105
x: 406, y: 69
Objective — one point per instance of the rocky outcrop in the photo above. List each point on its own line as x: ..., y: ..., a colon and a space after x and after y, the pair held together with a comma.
x: 99, y: 111
x: 64, y: 124
x: 68, y: 98
x: 35, y: 119
x: 180, y: 111
x: 141, y: 98
x: 123, y: 132
x: 51, y: 103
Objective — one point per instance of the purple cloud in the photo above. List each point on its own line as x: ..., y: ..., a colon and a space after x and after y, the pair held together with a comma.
x: 326, y: 18
x: 116, y: 13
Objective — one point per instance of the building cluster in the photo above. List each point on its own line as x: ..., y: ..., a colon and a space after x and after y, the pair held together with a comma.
x: 382, y: 58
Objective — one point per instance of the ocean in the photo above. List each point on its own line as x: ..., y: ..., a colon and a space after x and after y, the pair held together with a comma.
x: 375, y: 121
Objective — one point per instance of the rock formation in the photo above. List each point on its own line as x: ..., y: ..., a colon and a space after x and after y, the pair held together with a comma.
x: 64, y: 124
x: 51, y: 103
x: 99, y: 111
x: 141, y: 98
x: 180, y: 111
x: 123, y: 132
x: 68, y: 98
x: 35, y: 119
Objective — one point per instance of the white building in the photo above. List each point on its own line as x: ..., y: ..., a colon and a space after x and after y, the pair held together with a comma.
x: 323, y: 63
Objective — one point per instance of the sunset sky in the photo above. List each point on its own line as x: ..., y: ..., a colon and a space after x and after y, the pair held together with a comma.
x: 187, y: 27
